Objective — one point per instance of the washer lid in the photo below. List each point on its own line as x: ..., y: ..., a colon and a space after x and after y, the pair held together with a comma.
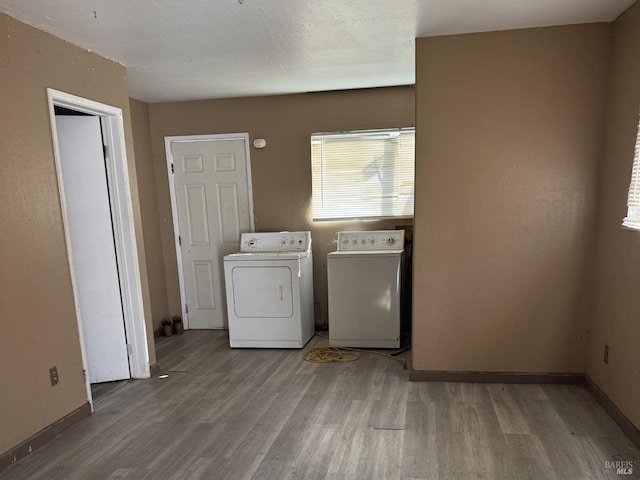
x: 264, y: 256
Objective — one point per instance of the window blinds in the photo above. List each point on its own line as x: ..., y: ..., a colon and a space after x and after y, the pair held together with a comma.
x: 368, y: 174
x: 632, y: 220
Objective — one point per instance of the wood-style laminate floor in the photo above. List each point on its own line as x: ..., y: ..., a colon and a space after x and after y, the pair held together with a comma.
x: 267, y: 414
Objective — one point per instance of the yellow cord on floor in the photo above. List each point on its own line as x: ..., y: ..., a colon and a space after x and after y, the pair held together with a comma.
x: 329, y: 354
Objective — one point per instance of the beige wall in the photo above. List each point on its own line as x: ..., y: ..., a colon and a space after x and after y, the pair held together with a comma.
x: 281, y: 173
x: 616, y: 317
x: 37, y: 313
x: 509, y: 128
x: 149, y: 210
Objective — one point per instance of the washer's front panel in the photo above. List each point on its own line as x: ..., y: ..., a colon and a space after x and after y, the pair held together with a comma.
x: 364, y: 300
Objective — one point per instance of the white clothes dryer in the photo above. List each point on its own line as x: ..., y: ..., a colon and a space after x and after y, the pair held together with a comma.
x: 269, y: 290
x: 364, y: 282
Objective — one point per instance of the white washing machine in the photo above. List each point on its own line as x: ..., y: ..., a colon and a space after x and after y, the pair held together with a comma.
x: 364, y: 280
x: 269, y: 287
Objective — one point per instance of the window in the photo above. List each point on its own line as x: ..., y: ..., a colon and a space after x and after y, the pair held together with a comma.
x: 632, y: 220
x: 363, y: 174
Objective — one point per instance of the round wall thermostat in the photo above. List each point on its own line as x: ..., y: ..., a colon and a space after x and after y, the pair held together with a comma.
x: 259, y: 143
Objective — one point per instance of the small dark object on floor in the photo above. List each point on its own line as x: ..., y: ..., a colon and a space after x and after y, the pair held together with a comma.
x: 178, y: 328
x: 167, y: 328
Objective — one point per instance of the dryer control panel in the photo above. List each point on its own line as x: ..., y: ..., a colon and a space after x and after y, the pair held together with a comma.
x: 369, y: 241
x: 275, y: 242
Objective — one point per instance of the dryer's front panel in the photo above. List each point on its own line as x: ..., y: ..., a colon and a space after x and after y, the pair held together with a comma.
x: 262, y: 292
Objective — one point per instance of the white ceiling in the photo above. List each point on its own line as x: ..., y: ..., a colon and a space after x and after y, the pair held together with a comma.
x: 197, y: 49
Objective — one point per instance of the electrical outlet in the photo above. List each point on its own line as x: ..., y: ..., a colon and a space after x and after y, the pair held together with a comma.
x: 53, y: 375
x: 606, y: 353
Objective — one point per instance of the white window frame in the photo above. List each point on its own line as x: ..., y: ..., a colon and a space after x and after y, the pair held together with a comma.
x: 632, y: 220
x: 400, y: 205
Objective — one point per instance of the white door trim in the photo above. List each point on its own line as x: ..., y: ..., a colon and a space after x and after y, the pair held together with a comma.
x: 123, y: 225
x: 174, y: 205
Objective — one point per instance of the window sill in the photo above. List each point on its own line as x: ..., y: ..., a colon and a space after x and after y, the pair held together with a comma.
x: 367, y: 219
x: 631, y: 225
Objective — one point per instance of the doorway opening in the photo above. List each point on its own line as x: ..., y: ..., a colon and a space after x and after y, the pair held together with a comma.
x: 105, y: 186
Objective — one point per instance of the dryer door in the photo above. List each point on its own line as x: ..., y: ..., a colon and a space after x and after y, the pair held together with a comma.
x: 262, y: 292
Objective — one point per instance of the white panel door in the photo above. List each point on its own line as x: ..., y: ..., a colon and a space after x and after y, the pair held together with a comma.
x: 212, y: 197
x: 93, y: 255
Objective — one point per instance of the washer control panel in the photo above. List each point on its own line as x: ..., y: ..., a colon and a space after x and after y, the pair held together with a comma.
x: 275, y: 242
x: 374, y: 240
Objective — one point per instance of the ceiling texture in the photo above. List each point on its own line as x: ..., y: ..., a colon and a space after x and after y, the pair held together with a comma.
x: 200, y: 49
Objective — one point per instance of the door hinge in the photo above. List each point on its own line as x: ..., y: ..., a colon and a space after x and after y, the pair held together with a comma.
x: 186, y: 308
x: 172, y: 171
x: 179, y: 240
x: 129, y: 349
